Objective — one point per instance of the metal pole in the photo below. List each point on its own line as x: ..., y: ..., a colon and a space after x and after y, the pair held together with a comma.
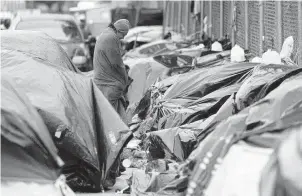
x: 279, y: 25
x: 261, y: 15
x: 300, y: 33
x: 173, y: 14
x: 232, y: 19
x: 166, y: 16
x: 187, y: 17
x: 201, y: 18
x: 221, y: 19
x: 246, y: 23
x: 210, y: 26
x: 179, y: 16
x: 193, y: 20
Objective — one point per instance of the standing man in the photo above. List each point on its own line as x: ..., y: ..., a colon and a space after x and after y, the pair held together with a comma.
x: 110, y: 74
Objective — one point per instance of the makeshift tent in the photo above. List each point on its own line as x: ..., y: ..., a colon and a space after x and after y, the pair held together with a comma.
x: 144, y: 74
x: 274, y: 83
x: 177, y: 143
x: 260, y: 75
x: 201, y: 82
x: 78, y: 115
x: 146, y: 71
x: 28, y: 153
x: 37, y: 45
x: 278, y: 111
x: 189, y: 103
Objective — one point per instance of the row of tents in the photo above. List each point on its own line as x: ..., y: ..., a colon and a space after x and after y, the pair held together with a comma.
x: 200, y: 115
x: 225, y: 125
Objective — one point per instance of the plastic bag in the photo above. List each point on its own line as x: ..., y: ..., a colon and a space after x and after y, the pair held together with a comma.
x: 271, y: 57
x: 287, y: 47
x: 216, y: 46
x: 237, y: 54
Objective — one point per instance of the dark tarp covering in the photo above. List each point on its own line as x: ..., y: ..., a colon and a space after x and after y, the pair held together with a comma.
x: 87, y: 127
x: 208, y: 103
x: 186, y: 136
x: 27, y: 150
x: 201, y: 82
x: 216, y: 100
x: 278, y: 111
x: 274, y: 83
x: 260, y: 75
x: 173, y: 120
x: 177, y: 143
x: 37, y: 45
x: 205, y: 97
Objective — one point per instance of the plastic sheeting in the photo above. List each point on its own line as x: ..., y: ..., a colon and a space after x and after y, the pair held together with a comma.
x: 274, y: 83
x: 201, y: 82
x: 144, y: 74
x: 85, y: 126
x: 215, y: 100
x: 177, y: 142
x: 260, y: 75
x: 27, y: 150
x: 279, y: 110
x: 186, y: 136
x: 37, y: 45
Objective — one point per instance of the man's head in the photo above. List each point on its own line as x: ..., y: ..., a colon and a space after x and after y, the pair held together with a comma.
x: 122, y: 26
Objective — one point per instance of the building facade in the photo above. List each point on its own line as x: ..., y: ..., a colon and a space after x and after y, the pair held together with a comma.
x: 254, y: 25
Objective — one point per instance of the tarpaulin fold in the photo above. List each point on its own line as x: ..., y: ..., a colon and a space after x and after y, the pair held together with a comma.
x: 37, y: 45
x: 89, y: 122
x: 279, y: 110
x: 27, y: 150
x: 201, y: 82
x: 260, y: 75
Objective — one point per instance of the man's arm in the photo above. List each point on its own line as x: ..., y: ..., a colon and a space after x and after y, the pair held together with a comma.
x: 115, y: 58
